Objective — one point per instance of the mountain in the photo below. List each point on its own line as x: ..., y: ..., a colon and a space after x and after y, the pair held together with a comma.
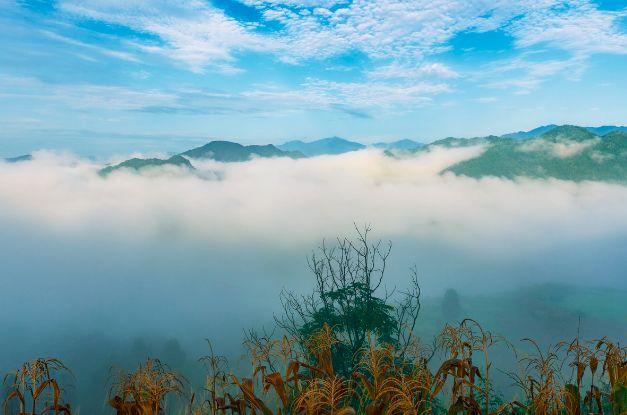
x: 138, y: 164
x: 225, y: 151
x: 450, y: 142
x: 25, y: 157
x: 523, y: 135
x: 331, y: 145
x: 605, y: 129
x: 399, y: 145
x: 566, y: 152
x: 228, y: 151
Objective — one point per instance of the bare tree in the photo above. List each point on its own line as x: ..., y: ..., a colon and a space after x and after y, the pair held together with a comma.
x: 350, y: 296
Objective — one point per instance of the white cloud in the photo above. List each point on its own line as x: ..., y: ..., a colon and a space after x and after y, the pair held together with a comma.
x: 559, y: 149
x: 84, y: 96
x: 522, y: 85
x: 382, y: 29
x: 323, y: 94
x: 318, y: 197
x: 568, y: 149
x: 191, y: 32
x: 486, y: 100
x: 526, y: 72
x: 401, y: 33
x: 104, y: 51
x: 355, y: 98
x: 397, y: 70
x: 577, y: 26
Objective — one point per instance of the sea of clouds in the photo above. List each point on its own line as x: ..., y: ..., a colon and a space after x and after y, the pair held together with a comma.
x: 284, y: 202
x: 170, y: 249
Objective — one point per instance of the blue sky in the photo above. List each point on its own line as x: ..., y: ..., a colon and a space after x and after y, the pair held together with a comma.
x: 122, y: 75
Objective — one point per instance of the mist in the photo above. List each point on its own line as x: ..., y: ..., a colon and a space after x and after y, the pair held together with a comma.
x: 168, y: 257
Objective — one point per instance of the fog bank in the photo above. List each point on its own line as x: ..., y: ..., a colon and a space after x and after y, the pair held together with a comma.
x: 188, y: 255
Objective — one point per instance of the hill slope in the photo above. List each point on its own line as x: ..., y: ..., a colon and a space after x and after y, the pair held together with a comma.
x: 228, y: 151
x: 331, y: 145
x: 565, y: 152
x: 523, y: 135
x: 399, y: 145
x: 138, y: 164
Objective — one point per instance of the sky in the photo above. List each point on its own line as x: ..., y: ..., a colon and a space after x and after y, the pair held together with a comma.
x: 115, y: 76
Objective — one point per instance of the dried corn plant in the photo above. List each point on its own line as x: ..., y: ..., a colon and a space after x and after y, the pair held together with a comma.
x: 615, y: 368
x: 36, y: 387
x: 288, y: 378
x: 374, y: 369
x: 143, y: 392
x: 541, y: 382
x: 459, y: 344
x: 215, y: 380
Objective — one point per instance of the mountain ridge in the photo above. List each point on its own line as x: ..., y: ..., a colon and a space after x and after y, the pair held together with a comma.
x: 403, y: 144
x: 566, y: 152
x: 523, y: 135
x: 323, y: 146
x: 138, y: 164
x: 229, y: 151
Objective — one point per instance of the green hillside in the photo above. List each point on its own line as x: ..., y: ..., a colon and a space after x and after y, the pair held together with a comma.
x: 565, y: 152
x: 330, y: 145
x: 227, y: 151
x: 137, y: 164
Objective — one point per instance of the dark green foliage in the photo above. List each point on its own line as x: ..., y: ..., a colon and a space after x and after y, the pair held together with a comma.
x: 348, y: 297
x: 351, y: 310
x: 620, y: 398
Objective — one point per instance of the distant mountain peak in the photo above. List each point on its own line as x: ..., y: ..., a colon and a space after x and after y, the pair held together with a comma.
x: 25, y: 157
x: 403, y: 144
x: 228, y: 151
x: 569, y: 132
x: 138, y: 164
x: 328, y: 145
x: 536, y: 132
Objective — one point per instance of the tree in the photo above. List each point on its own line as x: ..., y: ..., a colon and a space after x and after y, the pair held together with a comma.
x: 349, y: 296
x: 451, y: 308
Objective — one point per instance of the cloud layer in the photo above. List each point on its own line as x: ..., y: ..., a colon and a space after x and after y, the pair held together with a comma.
x: 284, y: 201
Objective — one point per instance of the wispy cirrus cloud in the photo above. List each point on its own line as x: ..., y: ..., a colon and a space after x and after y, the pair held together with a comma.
x: 398, y: 36
x: 362, y: 96
x: 576, y: 26
x: 525, y: 73
x: 193, y: 32
x: 119, y: 54
x: 353, y: 98
x: 83, y: 96
x: 398, y: 70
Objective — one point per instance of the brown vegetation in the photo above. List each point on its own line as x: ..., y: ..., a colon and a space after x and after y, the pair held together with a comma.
x: 292, y: 378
